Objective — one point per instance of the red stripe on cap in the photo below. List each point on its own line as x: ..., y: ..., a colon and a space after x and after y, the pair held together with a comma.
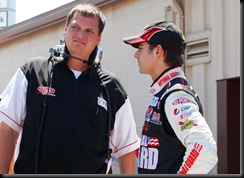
x: 147, y: 34
x: 144, y: 36
x: 134, y: 40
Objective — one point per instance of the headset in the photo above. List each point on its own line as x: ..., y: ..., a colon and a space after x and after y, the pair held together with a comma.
x: 58, y: 54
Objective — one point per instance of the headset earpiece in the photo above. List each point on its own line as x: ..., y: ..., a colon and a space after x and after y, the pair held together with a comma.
x: 95, y: 56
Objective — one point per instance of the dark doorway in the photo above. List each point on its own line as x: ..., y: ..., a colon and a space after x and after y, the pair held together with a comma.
x: 228, y: 133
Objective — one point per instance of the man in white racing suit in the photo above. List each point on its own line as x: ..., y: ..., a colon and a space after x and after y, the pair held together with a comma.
x: 176, y: 138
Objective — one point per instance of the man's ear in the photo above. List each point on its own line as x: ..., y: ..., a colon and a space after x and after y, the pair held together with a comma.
x: 99, y: 39
x: 159, y: 50
x: 65, y: 29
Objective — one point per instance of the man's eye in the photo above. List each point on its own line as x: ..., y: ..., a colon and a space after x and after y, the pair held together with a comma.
x: 90, y: 32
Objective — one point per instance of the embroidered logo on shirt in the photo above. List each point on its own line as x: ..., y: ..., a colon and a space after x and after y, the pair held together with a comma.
x: 148, y: 155
x: 168, y: 77
x: 46, y: 90
x: 191, y: 158
x: 153, y: 142
x: 155, y: 118
x: 182, y: 109
x: 180, y: 100
x: 149, y: 112
x: 176, y: 111
x: 187, y: 124
x: 154, y: 101
x: 102, y: 102
x: 146, y: 127
x: 185, y: 115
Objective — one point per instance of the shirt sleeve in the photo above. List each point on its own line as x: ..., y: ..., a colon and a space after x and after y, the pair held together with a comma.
x: 124, y: 138
x: 13, y: 101
x: 193, y: 131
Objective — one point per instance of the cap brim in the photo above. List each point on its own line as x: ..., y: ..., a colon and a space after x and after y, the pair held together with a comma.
x: 133, y: 40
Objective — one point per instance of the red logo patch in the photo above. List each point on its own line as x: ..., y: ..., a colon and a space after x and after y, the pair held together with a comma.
x: 45, y: 90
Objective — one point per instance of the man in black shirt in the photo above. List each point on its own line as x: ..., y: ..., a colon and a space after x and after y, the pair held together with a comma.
x: 67, y: 113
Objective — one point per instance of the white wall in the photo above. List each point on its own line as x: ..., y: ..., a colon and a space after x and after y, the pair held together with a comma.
x: 127, y: 19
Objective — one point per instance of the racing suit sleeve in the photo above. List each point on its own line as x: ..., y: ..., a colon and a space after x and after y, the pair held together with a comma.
x: 12, y: 105
x: 193, y: 131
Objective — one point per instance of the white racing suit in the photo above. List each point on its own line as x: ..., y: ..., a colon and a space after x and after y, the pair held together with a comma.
x: 176, y: 138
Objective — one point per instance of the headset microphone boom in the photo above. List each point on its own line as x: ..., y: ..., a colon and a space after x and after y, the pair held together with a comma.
x: 58, y: 54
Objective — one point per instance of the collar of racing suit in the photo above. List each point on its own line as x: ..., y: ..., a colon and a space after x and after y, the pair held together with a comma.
x: 165, y: 78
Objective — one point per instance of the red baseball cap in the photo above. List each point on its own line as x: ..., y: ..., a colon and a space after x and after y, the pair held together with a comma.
x: 165, y: 33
